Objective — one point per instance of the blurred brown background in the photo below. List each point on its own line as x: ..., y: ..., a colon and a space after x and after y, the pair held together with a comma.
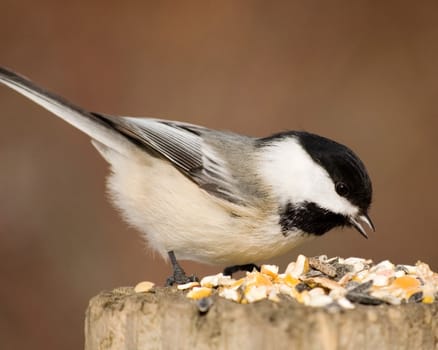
x: 363, y: 73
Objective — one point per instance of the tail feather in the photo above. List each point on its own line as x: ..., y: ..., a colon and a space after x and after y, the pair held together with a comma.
x: 91, y: 124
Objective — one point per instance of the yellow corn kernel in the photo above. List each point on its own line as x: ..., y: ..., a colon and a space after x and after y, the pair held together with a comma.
x: 429, y: 299
x: 199, y: 293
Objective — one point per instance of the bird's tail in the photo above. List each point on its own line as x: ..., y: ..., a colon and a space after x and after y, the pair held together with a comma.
x: 94, y: 125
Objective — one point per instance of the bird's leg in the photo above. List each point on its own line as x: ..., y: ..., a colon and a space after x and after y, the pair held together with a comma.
x: 228, y: 271
x: 179, y: 276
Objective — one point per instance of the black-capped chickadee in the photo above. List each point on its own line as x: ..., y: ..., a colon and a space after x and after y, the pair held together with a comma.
x: 218, y: 197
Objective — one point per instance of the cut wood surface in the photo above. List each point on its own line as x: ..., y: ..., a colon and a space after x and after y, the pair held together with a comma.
x: 165, y: 319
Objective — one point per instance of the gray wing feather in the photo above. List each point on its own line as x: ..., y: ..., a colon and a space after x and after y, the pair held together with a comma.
x: 186, y: 146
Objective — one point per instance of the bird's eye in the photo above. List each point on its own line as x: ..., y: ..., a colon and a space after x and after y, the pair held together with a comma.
x: 342, y: 189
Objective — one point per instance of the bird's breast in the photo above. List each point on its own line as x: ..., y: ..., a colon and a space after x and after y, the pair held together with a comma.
x: 173, y: 213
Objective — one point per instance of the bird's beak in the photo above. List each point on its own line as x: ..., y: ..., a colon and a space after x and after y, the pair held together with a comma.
x: 354, y: 221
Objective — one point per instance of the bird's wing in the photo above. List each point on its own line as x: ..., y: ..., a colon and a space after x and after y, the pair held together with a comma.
x: 185, y: 146
x: 181, y: 144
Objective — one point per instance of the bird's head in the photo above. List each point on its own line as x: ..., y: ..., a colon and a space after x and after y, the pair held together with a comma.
x: 319, y: 183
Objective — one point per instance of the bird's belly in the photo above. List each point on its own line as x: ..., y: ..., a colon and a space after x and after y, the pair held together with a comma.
x: 175, y: 214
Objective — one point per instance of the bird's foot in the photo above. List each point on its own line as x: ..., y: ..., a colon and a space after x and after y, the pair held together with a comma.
x: 179, y: 276
x: 228, y: 271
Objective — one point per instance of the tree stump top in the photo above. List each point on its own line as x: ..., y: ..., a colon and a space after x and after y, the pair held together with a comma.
x: 165, y: 319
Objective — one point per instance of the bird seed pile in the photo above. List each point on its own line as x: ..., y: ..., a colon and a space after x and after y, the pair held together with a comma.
x: 323, y: 282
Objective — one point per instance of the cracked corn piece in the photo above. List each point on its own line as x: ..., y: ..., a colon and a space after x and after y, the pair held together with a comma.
x: 216, y: 280
x: 269, y: 270
x: 406, y: 285
x: 299, y: 267
x: 199, y: 293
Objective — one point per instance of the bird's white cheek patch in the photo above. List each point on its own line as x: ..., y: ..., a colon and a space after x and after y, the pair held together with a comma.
x: 294, y: 177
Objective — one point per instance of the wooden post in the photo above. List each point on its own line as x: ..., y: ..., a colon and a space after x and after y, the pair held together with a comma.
x: 166, y: 319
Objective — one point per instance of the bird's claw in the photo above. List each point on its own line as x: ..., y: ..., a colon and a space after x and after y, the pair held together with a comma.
x: 179, y: 276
